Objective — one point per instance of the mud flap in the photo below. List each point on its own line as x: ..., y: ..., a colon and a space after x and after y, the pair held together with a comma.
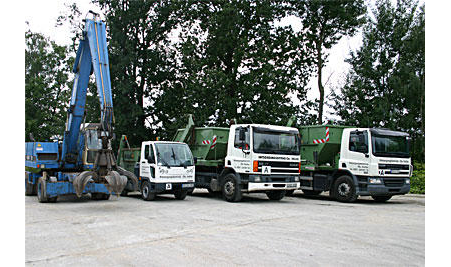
x: 81, y: 180
x: 116, y: 182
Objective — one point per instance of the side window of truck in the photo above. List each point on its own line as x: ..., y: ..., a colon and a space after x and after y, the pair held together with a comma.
x: 358, y: 142
x: 237, y: 142
x: 148, y: 153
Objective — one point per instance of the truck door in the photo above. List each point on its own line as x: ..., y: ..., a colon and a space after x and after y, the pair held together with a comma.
x: 358, y: 156
x: 147, y: 162
x: 241, y: 146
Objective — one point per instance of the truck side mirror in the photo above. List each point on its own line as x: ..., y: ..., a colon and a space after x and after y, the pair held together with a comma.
x: 195, y: 160
x: 150, y: 159
x: 242, y: 134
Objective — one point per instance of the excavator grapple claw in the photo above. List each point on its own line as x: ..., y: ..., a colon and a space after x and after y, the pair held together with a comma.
x: 116, y: 182
x: 81, y: 180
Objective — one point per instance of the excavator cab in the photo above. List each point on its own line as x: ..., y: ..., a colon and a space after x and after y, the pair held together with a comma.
x: 92, y: 144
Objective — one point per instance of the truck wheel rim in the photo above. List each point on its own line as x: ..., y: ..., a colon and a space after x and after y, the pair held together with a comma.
x: 344, y: 189
x: 229, y: 188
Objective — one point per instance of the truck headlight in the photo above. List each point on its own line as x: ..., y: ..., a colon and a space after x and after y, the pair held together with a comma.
x: 407, y: 181
x: 374, y: 181
x: 257, y: 179
x: 296, y: 178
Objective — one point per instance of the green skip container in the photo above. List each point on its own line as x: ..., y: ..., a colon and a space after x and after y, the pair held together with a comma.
x: 320, y: 146
x: 209, y: 152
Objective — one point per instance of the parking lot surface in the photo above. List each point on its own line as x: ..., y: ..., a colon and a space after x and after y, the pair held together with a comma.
x: 204, y: 231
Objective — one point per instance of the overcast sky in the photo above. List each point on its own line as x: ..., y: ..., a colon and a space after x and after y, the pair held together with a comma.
x: 42, y: 16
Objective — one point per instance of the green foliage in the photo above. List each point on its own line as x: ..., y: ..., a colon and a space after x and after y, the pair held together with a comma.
x: 325, y: 23
x: 233, y: 62
x: 46, y: 92
x: 417, y: 181
x: 385, y: 87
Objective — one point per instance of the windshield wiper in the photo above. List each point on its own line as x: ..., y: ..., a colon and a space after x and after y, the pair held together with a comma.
x: 163, y: 160
x: 176, y: 158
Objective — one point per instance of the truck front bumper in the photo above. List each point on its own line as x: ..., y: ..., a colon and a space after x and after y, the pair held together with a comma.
x: 170, y: 188
x: 388, y: 187
x: 263, y: 186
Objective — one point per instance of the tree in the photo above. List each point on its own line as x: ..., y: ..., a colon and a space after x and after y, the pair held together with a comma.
x: 324, y: 24
x: 385, y: 86
x: 46, y: 90
x: 137, y: 34
x: 233, y: 62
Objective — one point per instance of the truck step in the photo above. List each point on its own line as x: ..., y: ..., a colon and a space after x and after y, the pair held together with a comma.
x: 306, y: 187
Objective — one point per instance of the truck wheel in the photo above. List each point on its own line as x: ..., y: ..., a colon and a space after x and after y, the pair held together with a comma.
x: 146, y: 193
x: 275, y: 194
x: 180, y: 194
x: 231, y: 190
x: 344, y: 189
x: 100, y: 196
x: 381, y: 198
x: 42, y: 193
x: 29, y: 188
x: 124, y: 193
x: 289, y: 193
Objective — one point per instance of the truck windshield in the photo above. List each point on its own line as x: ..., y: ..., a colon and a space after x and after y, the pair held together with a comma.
x: 174, y: 155
x: 390, y: 146
x: 275, y: 142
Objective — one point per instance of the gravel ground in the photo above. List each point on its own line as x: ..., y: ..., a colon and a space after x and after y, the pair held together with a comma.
x: 204, y: 231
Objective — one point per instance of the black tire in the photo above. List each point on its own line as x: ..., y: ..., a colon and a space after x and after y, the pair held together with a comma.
x: 275, y: 194
x: 41, y: 191
x: 30, y: 189
x: 381, y: 198
x: 124, y: 193
x: 231, y: 190
x: 180, y: 194
x: 52, y: 199
x: 289, y: 193
x: 344, y: 189
x: 100, y: 196
x: 146, y: 191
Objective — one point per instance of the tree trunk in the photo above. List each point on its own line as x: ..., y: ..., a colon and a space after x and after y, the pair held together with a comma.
x: 320, y: 84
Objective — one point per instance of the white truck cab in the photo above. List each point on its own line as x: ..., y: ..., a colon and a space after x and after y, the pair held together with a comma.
x: 165, y: 167
x: 265, y: 156
x: 379, y: 159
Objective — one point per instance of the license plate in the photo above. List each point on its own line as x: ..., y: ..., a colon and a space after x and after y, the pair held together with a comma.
x: 291, y: 185
x: 187, y: 185
x: 168, y: 186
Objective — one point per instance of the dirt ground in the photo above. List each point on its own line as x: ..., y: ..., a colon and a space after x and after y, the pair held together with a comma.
x: 204, y: 231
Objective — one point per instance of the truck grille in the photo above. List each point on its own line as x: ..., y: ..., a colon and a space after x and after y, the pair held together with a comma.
x: 280, y: 166
x: 394, y: 167
x: 393, y: 182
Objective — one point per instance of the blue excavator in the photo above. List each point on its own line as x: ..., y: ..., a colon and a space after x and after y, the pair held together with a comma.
x: 83, y: 162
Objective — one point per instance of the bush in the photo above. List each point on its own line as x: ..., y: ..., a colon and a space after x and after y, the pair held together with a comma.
x: 417, y: 182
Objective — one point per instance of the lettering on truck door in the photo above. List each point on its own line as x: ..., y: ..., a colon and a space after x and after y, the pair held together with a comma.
x: 359, y: 159
x: 146, y: 158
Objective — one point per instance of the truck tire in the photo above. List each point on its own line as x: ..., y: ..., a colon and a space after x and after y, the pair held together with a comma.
x: 30, y: 189
x: 289, y: 193
x: 180, y: 194
x: 275, y: 194
x: 190, y: 192
x: 100, y: 196
x: 124, y: 193
x: 231, y: 190
x: 344, y: 189
x: 42, y: 193
x: 146, y: 191
x: 381, y: 198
